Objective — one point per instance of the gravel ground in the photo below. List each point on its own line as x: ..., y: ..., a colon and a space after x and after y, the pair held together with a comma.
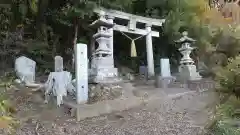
x: 161, y: 117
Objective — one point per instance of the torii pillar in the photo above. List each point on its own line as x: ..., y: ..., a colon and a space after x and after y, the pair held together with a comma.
x: 149, y: 48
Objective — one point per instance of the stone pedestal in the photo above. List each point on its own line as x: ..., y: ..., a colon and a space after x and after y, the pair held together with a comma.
x: 103, y: 71
x: 103, y: 75
x: 189, y: 72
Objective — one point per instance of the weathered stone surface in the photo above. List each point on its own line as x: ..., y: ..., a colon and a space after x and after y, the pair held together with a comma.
x: 58, y: 66
x: 81, y: 72
x: 102, y: 64
x: 103, y: 92
x: 58, y: 83
x: 202, y: 84
x: 189, y: 72
x: 104, y: 75
x: 165, y: 68
x: 25, y: 70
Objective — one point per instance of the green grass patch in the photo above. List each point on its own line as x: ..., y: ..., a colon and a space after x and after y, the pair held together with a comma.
x: 229, y: 118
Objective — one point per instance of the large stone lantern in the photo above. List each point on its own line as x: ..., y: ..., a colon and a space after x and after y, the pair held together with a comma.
x: 102, y: 63
x: 187, y: 69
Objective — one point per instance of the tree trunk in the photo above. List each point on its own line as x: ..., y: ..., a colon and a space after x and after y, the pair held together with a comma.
x: 75, y: 31
x: 41, y: 27
x: 75, y: 38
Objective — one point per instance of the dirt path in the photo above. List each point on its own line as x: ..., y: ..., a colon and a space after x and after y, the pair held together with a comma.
x: 184, y: 115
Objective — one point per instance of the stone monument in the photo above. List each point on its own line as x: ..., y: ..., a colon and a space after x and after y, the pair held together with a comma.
x: 81, y: 68
x: 102, y: 64
x: 165, y: 68
x: 187, y: 69
x: 58, y: 64
x: 165, y: 77
x: 143, y: 71
x: 59, y: 83
x: 25, y: 70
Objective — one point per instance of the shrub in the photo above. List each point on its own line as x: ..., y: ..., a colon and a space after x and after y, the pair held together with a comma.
x: 7, y: 122
x: 228, y: 77
x: 228, y: 118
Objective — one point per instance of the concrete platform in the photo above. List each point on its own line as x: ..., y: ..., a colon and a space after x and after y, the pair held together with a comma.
x: 132, y: 97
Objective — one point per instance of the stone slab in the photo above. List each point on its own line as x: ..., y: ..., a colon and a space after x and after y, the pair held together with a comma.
x: 82, y: 111
x: 200, y: 84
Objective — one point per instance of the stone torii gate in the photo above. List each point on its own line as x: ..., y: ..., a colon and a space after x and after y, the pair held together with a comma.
x: 131, y: 28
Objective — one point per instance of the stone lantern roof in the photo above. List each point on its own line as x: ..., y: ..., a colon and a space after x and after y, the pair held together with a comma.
x: 102, y: 22
x: 185, y: 38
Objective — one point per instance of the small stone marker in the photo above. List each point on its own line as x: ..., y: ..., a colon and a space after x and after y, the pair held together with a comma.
x: 81, y: 67
x: 58, y: 65
x: 165, y: 68
x: 165, y: 78
x: 143, y: 70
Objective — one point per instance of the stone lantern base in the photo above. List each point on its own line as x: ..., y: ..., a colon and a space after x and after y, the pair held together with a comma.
x: 103, y: 75
x: 189, y: 72
x: 102, y: 70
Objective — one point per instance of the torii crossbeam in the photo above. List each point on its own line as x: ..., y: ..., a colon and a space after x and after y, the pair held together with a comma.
x: 131, y: 28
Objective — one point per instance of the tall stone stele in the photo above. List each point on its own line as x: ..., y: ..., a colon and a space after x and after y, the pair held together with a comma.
x: 187, y: 69
x: 102, y: 64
